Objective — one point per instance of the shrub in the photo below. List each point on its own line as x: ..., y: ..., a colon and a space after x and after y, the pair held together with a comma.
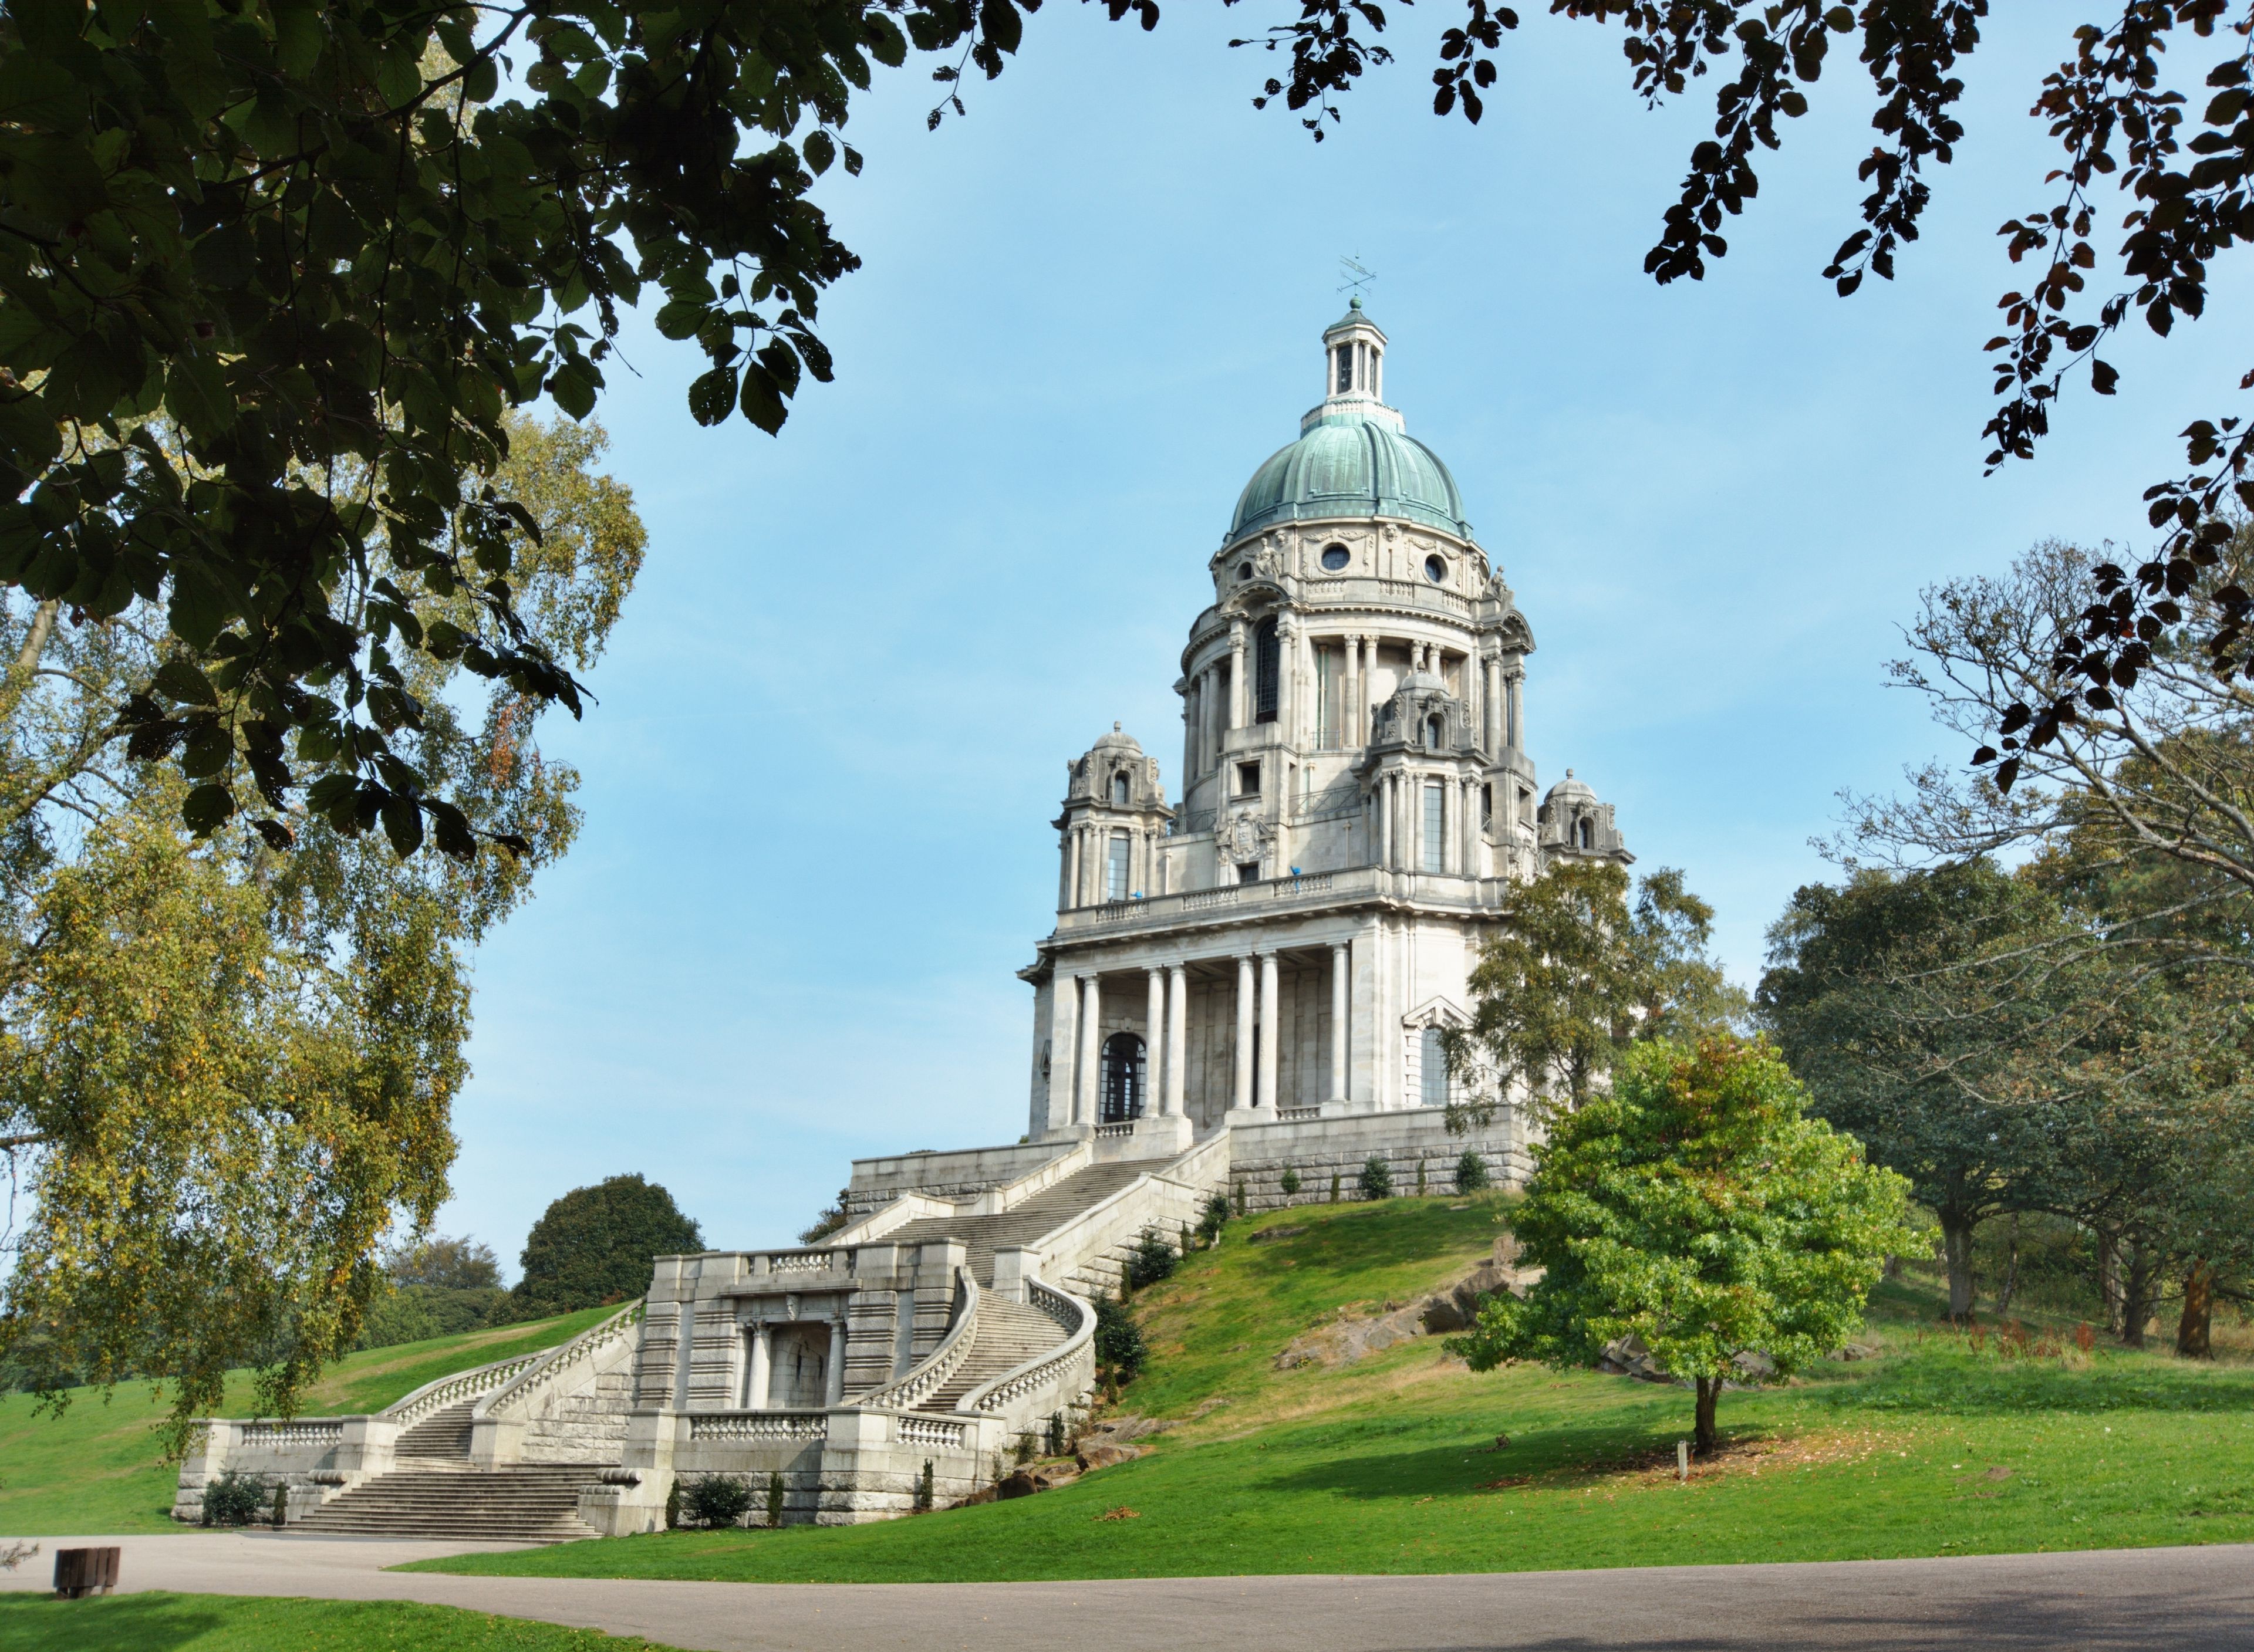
x: 923, y: 1491
x: 1289, y: 1181
x: 1334, y: 1186
x: 1420, y: 1178
x: 1151, y: 1260
x: 281, y: 1515
x: 1240, y: 1198
x: 673, y: 1505
x: 774, y: 1501
x: 1471, y: 1173
x: 1056, y: 1418
x: 234, y: 1499
x: 714, y: 1501
x: 829, y: 1221
x: 1119, y: 1347
x: 1376, y: 1179
x: 1216, y: 1218
x: 418, y: 1313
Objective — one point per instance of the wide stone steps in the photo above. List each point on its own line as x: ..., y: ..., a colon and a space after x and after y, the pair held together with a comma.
x: 1009, y: 1335
x: 526, y: 1503
x: 1047, y: 1210
x: 442, y: 1437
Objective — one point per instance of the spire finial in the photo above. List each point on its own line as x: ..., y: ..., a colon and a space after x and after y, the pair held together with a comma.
x: 1115, y: 725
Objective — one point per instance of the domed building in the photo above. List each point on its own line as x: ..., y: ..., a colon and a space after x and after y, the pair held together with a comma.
x: 1281, y: 949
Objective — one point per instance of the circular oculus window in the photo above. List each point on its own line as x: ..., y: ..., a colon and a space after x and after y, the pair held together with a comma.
x: 1435, y: 569
x: 1336, y: 556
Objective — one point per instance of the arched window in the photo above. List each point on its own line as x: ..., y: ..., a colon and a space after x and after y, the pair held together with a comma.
x: 1267, y: 660
x: 1119, y: 788
x: 1123, y: 1079
x: 1436, y: 734
x: 1335, y: 557
x: 1345, y: 353
x: 1433, y: 1060
x: 1588, y: 833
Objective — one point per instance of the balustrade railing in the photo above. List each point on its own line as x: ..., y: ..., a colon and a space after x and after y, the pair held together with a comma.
x: 927, y: 1379
x: 512, y: 1394
x: 757, y: 1426
x: 1078, y: 1320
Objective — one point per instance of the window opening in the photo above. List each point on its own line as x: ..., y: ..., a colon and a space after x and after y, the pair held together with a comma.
x: 1115, y: 872
x: 1435, y: 569
x: 1244, y: 571
x: 1435, y: 840
x: 1119, y: 789
x: 1327, y: 680
x: 1432, y: 1079
x: 1248, y: 779
x: 1436, y: 734
x: 1123, y: 1073
x: 1588, y: 834
x: 1486, y: 804
x: 1336, y: 556
x: 1344, y: 369
x: 1248, y: 872
x: 1267, y: 662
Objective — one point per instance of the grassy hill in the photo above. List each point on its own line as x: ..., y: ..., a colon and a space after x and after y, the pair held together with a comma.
x: 1937, y: 1446
x: 94, y: 1468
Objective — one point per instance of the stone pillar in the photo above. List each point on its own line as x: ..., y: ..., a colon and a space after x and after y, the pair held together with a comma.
x: 1177, y: 993
x: 1064, y: 1045
x: 1287, y: 699
x: 1339, y: 962
x: 835, y: 1365
x: 1189, y: 733
x: 1270, y: 1021
x: 1357, y: 689
x: 1491, y: 721
x: 1242, y: 1096
x: 1154, y: 1023
x: 1239, y: 706
x: 756, y: 1383
x: 1385, y: 819
x: 1513, y: 681
x: 1091, y: 1052
x: 1470, y: 835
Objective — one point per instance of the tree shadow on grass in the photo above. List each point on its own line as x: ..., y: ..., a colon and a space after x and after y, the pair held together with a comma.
x: 1951, y: 1380
x: 113, y: 1623
x: 1555, y: 1458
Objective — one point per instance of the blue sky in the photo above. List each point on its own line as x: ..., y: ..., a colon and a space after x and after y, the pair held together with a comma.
x: 832, y: 723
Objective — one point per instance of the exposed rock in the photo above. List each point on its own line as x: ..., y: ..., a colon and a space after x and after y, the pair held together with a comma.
x: 1103, y: 1454
x: 1119, y: 1431
x: 1455, y: 1308
x: 1345, y: 1340
x: 1754, y: 1364
x: 1039, y: 1477
x: 1268, y: 1236
x: 1627, y: 1356
x: 1856, y: 1351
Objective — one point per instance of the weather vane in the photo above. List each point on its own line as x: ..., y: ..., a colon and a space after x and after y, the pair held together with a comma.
x: 1358, y: 277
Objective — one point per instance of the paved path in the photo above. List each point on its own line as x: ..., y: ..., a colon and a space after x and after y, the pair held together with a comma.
x: 2119, y: 1601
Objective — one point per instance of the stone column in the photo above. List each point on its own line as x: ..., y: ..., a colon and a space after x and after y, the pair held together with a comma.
x: 756, y: 1384
x: 835, y: 1364
x: 1239, y: 703
x: 1064, y: 1045
x: 1385, y: 819
x: 1491, y: 719
x: 1513, y: 681
x: 1177, y: 1043
x: 1091, y: 1053
x: 1154, y: 1023
x: 1270, y: 1021
x: 1242, y: 1096
x: 1340, y: 957
x: 1189, y: 733
x: 1287, y: 697
x: 1357, y: 694
x: 1067, y: 860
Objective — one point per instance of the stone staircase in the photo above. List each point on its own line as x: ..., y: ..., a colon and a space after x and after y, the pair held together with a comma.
x: 441, y: 1437
x: 429, y: 1499
x: 1047, y: 1210
x: 1009, y: 1335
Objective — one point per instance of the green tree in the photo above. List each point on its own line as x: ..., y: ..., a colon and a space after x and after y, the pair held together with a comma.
x: 1876, y: 995
x: 446, y: 1263
x: 1573, y: 973
x: 226, y: 1070
x: 1695, y: 1207
x: 596, y: 1244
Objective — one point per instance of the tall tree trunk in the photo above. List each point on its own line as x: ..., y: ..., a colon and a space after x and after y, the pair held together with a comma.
x: 2108, y: 1277
x: 2194, y: 1324
x: 1702, y: 1436
x: 1957, y: 1254
x: 2010, y: 1272
x: 2137, y: 1282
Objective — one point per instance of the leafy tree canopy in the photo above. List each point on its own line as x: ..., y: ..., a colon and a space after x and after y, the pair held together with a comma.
x: 446, y: 1263
x: 595, y: 1245
x: 226, y: 1071
x: 1573, y: 972
x: 1695, y: 1207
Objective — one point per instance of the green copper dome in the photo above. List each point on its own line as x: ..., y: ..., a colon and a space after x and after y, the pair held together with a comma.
x: 1349, y: 464
x: 1353, y: 458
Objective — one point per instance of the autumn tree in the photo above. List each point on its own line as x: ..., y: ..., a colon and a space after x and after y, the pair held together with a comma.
x: 226, y: 1069
x: 1694, y: 1206
x: 1571, y: 972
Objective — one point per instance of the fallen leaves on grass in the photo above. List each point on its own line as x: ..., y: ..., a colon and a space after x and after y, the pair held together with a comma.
x: 1121, y: 1513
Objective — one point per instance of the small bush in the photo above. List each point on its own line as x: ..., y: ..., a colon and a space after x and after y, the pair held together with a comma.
x: 1240, y: 1198
x: 281, y: 1513
x: 775, y: 1502
x: 923, y: 1491
x: 1151, y: 1260
x: 714, y: 1501
x: 1216, y: 1218
x: 1027, y: 1444
x: 673, y: 1505
x: 1334, y: 1186
x: 1471, y: 1173
x: 1420, y: 1178
x: 1289, y: 1181
x: 234, y: 1499
x: 1376, y: 1179
x: 1119, y: 1347
x: 1055, y: 1441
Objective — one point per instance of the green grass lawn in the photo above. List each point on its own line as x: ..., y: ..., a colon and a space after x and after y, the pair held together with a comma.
x: 95, y: 1467
x: 1391, y: 1466
x: 228, y: 1623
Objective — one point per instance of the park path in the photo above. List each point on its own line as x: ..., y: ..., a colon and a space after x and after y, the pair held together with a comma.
x: 2105, y: 1600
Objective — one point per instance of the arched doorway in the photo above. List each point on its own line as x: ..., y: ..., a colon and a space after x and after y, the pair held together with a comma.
x: 1123, y: 1079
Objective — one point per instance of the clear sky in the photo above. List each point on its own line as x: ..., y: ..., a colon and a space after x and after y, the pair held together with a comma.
x: 833, y: 722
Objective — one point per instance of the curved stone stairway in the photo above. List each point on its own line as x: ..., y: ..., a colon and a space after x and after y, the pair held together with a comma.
x: 1020, y: 1225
